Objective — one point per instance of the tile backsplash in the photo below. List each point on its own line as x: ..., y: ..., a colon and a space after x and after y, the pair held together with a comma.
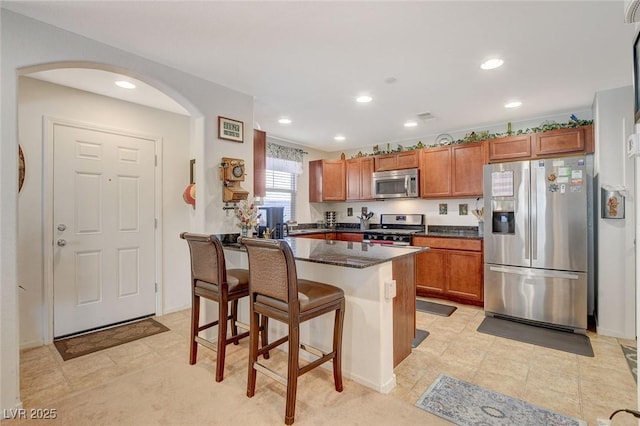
x: 455, y: 215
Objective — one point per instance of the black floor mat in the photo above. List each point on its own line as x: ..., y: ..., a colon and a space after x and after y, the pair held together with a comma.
x: 578, y: 344
x: 420, y: 336
x: 435, y: 308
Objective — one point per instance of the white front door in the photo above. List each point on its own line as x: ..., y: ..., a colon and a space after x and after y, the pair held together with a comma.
x: 104, y: 221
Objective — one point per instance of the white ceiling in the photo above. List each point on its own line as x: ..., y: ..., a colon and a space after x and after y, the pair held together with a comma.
x: 309, y: 60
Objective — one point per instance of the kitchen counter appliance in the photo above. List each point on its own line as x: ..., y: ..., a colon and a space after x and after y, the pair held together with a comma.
x: 395, y: 229
x: 395, y: 184
x: 272, y: 218
x: 538, y: 241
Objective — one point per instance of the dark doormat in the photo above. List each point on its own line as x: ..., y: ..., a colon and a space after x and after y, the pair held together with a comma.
x: 420, y: 336
x: 76, y: 346
x: 565, y: 341
x: 435, y: 308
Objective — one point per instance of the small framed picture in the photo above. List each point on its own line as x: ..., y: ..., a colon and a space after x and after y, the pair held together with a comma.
x: 230, y: 130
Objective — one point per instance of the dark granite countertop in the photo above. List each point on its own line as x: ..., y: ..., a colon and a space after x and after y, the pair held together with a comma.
x: 470, y: 232
x: 342, y: 253
x: 295, y: 232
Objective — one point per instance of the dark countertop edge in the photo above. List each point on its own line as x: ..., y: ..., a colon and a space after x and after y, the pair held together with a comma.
x: 238, y: 247
x: 467, y: 236
x: 373, y: 262
x: 326, y: 231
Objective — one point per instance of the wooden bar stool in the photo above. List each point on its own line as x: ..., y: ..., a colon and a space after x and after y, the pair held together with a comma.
x: 276, y: 292
x: 210, y: 279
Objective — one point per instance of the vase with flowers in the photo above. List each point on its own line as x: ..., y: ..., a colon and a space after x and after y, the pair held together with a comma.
x: 247, y: 214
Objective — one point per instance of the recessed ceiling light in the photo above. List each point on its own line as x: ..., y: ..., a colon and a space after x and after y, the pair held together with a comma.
x: 284, y: 121
x: 410, y: 124
x: 513, y: 104
x: 125, y: 84
x: 492, y: 64
x: 339, y: 138
x: 364, y: 99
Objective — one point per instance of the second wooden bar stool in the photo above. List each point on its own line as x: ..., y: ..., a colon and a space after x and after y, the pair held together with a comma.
x: 276, y: 292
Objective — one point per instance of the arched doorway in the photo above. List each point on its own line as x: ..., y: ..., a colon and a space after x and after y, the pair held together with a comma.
x: 39, y: 301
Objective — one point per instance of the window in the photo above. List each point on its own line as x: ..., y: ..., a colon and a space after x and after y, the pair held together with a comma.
x: 284, y: 164
x: 281, y: 191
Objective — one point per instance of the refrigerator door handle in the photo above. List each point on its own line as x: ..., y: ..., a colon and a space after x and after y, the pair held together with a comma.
x: 530, y: 273
x: 527, y: 232
x: 534, y: 211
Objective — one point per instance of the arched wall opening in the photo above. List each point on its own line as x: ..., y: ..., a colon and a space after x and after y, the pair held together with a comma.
x: 175, y: 133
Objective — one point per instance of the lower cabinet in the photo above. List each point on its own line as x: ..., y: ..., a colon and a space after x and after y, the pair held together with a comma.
x: 318, y: 236
x: 452, y: 269
x: 339, y: 236
x: 349, y: 236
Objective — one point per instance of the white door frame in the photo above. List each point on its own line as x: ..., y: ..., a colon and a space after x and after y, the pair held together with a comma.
x: 47, y: 214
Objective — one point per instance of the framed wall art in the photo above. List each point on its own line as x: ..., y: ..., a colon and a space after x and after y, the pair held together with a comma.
x: 230, y: 130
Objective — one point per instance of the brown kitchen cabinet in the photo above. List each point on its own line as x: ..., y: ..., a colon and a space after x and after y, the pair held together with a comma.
x: 553, y: 143
x: 452, y: 171
x: 350, y: 236
x: 564, y: 141
x: 259, y: 163
x: 452, y: 269
x: 397, y: 161
x: 327, y: 180
x: 318, y: 236
x: 509, y: 148
x: 358, y: 177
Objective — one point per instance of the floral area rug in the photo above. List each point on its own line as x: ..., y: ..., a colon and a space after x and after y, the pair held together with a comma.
x: 464, y: 403
x: 73, y: 347
x: 631, y: 355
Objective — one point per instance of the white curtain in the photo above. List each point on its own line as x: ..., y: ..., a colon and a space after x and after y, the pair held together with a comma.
x: 284, y: 159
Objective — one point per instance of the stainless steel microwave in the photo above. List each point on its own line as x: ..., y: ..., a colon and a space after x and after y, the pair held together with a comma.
x: 395, y: 184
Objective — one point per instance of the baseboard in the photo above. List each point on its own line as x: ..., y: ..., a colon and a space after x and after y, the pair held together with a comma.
x: 31, y: 344
x: 613, y: 333
x: 176, y: 309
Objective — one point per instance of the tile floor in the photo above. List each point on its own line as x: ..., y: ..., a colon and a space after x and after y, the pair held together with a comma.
x: 581, y: 387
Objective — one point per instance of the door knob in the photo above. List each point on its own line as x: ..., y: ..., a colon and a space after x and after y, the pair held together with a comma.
x: 62, y: 242
x: 62, y: 227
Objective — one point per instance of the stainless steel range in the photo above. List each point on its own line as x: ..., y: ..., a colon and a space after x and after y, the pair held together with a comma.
x: 395, y: 229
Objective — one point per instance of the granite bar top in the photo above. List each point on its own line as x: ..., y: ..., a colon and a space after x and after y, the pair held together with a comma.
x: 312, y: 228
x: 342, y: 253
x: 470, y: 232
x: 295, y: 232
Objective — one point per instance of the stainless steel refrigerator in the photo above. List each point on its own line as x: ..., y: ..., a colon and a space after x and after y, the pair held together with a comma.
x: 538, y: 241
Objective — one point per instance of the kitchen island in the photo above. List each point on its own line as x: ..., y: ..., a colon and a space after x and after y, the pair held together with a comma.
x: 379, y: 286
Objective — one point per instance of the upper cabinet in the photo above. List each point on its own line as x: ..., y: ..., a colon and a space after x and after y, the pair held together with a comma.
x: 259, y: 163
x: 435, y: 172
x: 575, y: 140
x: 397, y: 161
x: 510, y: 148
x: 359, y: 171
x: 466, y: 170
x: 327, y: 180
x: 563, y: 141
x: 451, y: 171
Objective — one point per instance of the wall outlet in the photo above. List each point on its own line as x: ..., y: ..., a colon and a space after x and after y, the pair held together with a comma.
x: 603, y: 422
x: 390, y: 289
